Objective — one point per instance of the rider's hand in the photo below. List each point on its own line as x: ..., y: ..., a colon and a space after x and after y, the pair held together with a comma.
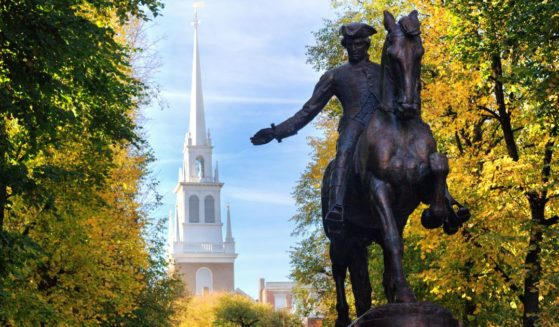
x: 263, y: 136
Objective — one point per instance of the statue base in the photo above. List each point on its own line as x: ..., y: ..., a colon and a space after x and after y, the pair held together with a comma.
x: 419, y: 314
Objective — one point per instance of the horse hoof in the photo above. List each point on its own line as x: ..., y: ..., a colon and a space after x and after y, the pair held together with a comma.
x: 450, y: 230
x: 430, y: 220
x: 463, y: 214
x: 405, y: 296
x: 342, y: 322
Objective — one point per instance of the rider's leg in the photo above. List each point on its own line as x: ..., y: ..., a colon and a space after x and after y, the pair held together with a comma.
x: 334, y: 217
x: 338, y: 183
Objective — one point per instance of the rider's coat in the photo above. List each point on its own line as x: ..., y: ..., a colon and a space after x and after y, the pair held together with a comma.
x: 355, y: 85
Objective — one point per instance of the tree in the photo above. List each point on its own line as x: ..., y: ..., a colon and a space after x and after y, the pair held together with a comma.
x: 62, y: 75
x: 157, y: 302
x: 516, y: 56
x: 198, y: 310
x: 239, y: 311
x: 228, y: 309
x: 74, y: 241
x: 244, y: 312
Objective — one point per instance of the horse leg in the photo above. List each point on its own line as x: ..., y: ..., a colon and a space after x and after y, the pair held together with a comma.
x: 339, y: 269
x: 359, y: 275
x: 380, y: 193
x: 462, y: 213
x: 386, y: 277
x: 437, y: 213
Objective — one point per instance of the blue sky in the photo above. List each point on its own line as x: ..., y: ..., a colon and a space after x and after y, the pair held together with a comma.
x: 254, y: 72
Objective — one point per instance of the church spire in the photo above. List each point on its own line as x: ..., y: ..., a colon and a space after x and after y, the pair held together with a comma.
x: 177, y: 228
x: 229, y: 234
x: 216, y: 173
x: 197, y: 128
x: 171, y: 229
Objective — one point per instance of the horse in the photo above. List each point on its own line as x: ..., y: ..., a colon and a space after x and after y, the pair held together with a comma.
x: 396, y: 167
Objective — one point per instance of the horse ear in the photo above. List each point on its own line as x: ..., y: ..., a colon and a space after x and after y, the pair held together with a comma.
x: 413, y: 15
x: 389, y: 21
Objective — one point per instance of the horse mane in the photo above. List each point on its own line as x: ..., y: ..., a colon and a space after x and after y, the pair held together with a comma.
x: 410, y: 25
x: 386, y: 83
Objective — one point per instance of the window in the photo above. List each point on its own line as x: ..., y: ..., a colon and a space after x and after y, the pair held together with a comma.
x: 199, y: 167
x: 280, y: 301
x: 203, y: 281
x: 194, y: 209
x: 209, y: 206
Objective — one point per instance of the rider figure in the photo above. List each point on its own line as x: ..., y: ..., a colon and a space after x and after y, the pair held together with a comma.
x: 355, y: 84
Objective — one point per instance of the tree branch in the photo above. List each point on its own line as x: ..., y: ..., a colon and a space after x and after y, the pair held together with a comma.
x: 498, y: 140
x: 548, y: 153
x: 491, y: 112
x: 458, y: 143
x: 506, y: 277
x: 33, y: 222
x: 551, y: 221
x: 504, y: 112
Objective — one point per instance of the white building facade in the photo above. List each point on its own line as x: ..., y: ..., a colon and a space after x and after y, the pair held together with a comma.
x: 204, y: 259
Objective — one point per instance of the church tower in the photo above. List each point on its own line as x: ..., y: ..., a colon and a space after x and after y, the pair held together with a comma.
x: 201, y: 255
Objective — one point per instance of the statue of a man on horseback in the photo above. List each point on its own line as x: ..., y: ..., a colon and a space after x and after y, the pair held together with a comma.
x: 386, y: 160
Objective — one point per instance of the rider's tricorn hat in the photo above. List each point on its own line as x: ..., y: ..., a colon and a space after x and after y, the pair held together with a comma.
x: 356, y: 31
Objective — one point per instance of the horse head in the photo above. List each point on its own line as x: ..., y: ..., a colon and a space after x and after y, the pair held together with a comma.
x: 401, y: 66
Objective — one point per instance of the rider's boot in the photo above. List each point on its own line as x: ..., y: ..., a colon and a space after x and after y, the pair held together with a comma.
x: 335, y: 217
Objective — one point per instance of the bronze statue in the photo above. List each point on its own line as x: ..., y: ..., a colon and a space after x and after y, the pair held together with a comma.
x: 390, y: 163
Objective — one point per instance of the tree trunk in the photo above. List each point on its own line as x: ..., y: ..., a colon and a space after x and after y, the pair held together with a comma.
x: 3, y: 177
x: 532, y: 264
x: 504, y: 115
x: 3, y: 202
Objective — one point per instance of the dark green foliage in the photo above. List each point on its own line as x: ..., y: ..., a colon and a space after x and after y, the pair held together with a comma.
x: 63, y: 75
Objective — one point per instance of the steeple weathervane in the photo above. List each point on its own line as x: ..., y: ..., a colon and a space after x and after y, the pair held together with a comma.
x: 196, y: 5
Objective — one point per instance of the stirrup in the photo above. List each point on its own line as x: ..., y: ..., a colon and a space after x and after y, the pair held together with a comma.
x: 335, y: 213
x: 335, y: 219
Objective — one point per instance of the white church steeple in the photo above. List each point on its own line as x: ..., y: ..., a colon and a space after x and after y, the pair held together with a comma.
x: 200, y: 253
x: 197, y: 165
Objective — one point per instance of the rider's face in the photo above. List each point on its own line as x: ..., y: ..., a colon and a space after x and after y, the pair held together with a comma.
x: 356, y: 49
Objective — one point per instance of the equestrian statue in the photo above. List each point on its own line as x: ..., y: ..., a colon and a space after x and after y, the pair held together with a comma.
x: 386, y: 160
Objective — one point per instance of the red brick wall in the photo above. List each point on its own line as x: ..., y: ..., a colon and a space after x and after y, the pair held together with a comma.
x: 314, y: 322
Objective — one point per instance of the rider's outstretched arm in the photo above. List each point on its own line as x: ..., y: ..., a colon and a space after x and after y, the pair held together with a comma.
x: 323, y: 92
